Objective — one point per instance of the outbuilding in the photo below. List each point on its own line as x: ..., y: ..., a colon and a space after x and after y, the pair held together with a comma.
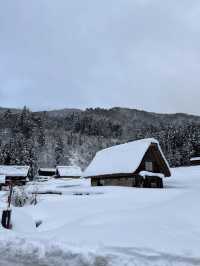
x: 46, y: 172
x: 18, y: 175
x: 71, y: 171
x: 195, y: 161
x: 138, y: 163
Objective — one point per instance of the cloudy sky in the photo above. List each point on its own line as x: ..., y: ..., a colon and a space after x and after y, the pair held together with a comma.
x: 133, y: 53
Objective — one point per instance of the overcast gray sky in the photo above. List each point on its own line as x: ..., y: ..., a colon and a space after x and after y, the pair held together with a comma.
x: 133, y: 53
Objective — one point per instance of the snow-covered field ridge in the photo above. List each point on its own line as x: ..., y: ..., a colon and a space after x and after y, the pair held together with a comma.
x: 107, y: 226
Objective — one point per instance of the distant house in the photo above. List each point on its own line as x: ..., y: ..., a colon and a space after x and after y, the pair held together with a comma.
x: 68, y: 172
x: 135, y: 164
x: 46, y: 171
x: 18, y: 175
x: 195, y: 161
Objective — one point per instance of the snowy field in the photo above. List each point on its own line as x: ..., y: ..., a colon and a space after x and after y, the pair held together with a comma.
x: 107, y: 226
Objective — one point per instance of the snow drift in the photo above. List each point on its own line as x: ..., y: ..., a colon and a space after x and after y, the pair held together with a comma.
x: 22, y: 252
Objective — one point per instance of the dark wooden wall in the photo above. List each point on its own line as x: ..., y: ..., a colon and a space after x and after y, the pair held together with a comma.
x: 153, y: 155
x: 196, y: 162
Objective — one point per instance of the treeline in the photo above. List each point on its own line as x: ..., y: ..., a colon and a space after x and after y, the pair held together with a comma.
x: 41, y: 139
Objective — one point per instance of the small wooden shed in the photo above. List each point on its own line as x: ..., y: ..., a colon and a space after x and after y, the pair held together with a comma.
x: 195, y: 161
x: 71, y: 171
x: 47, y: 172
x: 17, y: 174
x: 138, y: 163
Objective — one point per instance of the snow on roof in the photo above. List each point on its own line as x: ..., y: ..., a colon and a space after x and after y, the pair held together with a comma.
x: 124, y: 158
x: 69, y: 171
x: 146, y: 173
x: 14, y: 170
x: 2, y: 179
x: 47, y: 169
x: 195, y: 159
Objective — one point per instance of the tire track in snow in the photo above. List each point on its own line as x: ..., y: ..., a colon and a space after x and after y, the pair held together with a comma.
x: 22, y: 252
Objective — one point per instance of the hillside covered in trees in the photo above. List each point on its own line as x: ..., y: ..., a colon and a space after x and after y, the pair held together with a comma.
x: 73, y: 136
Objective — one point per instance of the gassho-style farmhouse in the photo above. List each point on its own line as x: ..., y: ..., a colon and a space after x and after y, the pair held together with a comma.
x: 135, y: 164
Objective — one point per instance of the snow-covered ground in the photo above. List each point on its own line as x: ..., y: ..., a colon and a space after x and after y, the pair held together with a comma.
x: 114, y: 226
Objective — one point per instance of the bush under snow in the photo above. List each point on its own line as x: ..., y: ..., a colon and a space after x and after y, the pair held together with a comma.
x: 21, y: 197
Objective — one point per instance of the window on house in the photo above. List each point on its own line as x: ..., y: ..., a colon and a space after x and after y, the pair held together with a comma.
x: 149, y: 166
x: 100, y: 182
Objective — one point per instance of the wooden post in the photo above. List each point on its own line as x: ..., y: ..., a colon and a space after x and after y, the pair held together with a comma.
x: 10, y: 195
x: 6, y: 215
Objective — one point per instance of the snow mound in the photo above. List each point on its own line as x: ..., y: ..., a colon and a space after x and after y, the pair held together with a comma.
x: 22, y: 252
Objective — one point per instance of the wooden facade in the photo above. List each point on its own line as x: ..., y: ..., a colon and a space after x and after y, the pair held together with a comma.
x: 154, y: 156
x: 46, y: 172
x: 128, y: 181
x: 16, y: 180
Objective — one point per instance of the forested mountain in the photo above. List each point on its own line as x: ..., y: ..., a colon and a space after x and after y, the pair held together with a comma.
x: 72, y: 136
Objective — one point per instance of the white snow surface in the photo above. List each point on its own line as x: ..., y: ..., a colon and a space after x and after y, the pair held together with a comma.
x: 2, y: 179
x: 124, y: 158
x: 109, y: 226
x: 14, y: 170
x: 70, y: 171
x: 22, y: 222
